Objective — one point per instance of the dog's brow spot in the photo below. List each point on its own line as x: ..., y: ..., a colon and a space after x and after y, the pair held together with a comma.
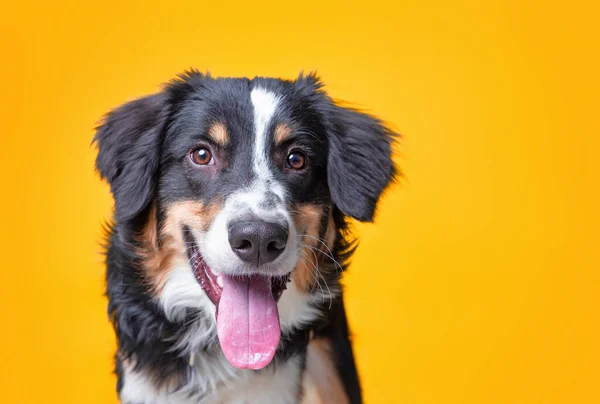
x: 282, y: 133
x: 218, y: 133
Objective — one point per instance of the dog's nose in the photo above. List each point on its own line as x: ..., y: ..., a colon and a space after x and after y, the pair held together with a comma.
x: 256, y: 241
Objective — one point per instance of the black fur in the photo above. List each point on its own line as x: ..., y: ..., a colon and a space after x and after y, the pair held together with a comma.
x: 359, y: 164
x: 128, y: 153
x: 139, y: 154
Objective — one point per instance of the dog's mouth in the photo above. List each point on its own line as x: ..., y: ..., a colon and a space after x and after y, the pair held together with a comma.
x: 213, y: 284
x: 246, y: 311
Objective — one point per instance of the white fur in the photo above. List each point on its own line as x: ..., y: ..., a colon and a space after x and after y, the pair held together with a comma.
x: 214, y: 380
x: 181, y: 291
x: 295, y: 308
x: 265, y: 104
x: 138, y: 389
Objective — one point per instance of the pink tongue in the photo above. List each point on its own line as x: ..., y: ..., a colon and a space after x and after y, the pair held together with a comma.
x: 248, y: 322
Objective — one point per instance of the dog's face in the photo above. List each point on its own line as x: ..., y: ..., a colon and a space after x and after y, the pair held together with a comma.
x: 234, y: 184
x: 242, y: 157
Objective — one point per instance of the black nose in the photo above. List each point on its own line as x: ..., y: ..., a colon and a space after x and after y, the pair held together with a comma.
x: 257, y: 241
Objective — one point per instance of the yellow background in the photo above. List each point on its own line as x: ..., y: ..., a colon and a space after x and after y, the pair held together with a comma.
x: 479, y: 284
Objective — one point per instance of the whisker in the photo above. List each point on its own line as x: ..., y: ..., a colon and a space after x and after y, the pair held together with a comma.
x: 327, y: 286
x: 337, y: 264
x: 314, y: 274
x: 318, y: 275
x: 320, y: 240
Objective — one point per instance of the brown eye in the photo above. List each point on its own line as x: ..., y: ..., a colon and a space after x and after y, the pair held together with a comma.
x: 296, y: 161
x: 202, y: 157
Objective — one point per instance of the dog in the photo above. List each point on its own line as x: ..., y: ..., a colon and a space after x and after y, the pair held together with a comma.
x: 230, y: 236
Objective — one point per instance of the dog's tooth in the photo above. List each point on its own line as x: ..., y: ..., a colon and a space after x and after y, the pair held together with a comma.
x: 220, y: 281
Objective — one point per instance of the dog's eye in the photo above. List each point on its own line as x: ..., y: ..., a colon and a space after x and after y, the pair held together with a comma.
x: 296, y: 161
x: 202, y: 157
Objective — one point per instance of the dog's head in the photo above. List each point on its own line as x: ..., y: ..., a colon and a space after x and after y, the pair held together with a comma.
x: 232, y: 187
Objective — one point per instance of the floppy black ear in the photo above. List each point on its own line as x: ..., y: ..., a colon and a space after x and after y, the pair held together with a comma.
x: 360, y: 162
x: 128, y: 143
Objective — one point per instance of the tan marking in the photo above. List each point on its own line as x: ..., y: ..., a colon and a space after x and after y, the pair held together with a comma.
x: 210, y: 212
x: 282, y: 133
x: 158, y: 261
x: 218, y: 133
x: 330, y: 232
x: 321, y: 381
x: 307, y: 219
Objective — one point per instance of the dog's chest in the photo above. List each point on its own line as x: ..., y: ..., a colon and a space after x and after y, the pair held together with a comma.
x: 215, y: 381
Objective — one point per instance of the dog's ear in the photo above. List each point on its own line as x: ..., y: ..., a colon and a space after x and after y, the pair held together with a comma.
x: 360, y: 162
x: 128, y: 143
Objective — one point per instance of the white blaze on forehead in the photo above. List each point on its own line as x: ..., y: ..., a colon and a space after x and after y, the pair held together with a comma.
x: 265, y: 104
